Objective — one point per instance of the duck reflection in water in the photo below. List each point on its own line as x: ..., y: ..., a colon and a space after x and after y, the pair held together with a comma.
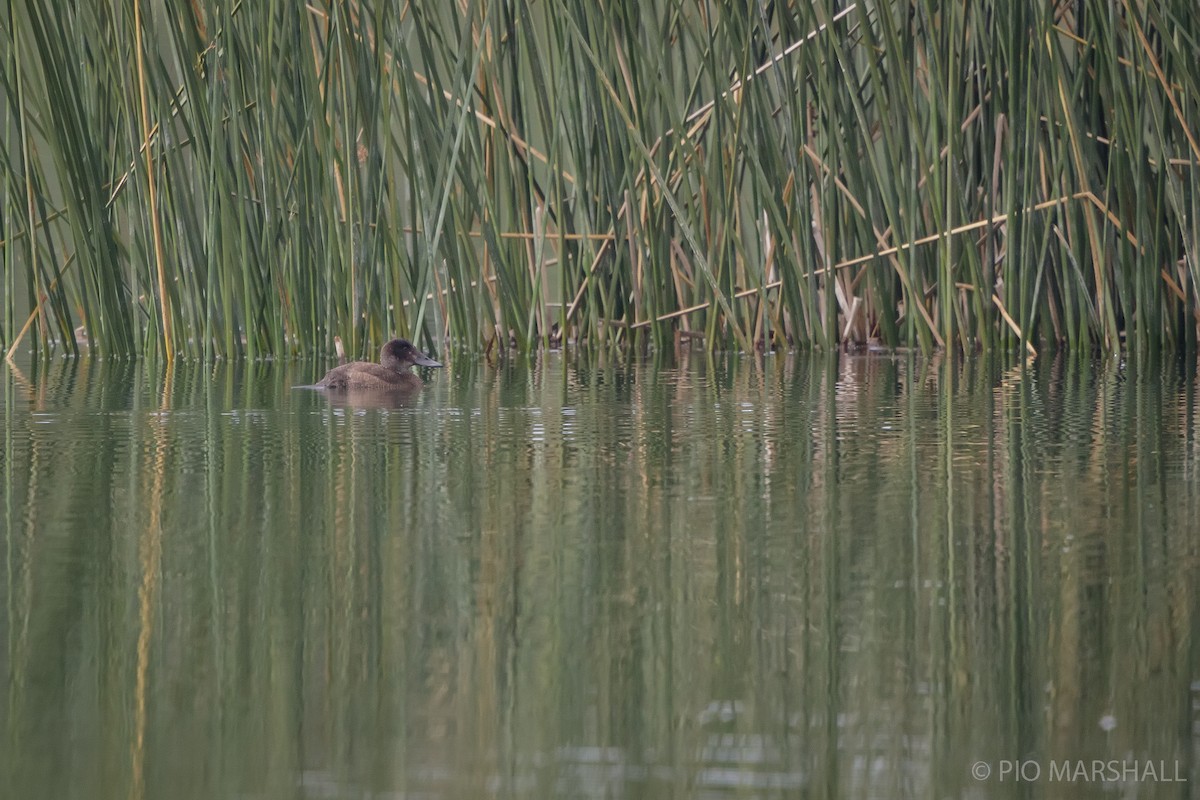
x: 385, y: 383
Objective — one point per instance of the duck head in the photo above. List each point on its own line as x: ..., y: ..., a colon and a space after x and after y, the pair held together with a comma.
x: 400, y: 354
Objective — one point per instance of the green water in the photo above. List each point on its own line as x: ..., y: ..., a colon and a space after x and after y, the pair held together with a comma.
x: 788, y: 577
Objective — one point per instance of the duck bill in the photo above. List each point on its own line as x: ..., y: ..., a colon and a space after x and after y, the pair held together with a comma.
x: 422, y: 360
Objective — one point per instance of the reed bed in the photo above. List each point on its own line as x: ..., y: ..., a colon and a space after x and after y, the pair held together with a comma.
x: 212, y: 179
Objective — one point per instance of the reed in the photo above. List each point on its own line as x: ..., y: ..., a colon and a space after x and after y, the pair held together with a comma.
x: 210, y: 179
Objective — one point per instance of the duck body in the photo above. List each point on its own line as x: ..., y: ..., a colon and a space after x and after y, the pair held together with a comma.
x: 392, y: 371
x: 365, y: 375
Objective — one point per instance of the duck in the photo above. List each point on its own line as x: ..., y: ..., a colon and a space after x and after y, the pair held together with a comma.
x: 392, y: 371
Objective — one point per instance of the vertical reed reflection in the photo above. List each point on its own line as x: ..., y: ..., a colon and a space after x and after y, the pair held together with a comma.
x: 150, y: 558
x: 717, y: 576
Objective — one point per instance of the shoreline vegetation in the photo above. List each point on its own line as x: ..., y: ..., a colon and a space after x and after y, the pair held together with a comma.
x: 240, y: 180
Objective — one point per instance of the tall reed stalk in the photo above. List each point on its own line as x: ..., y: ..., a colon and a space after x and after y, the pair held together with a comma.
x: 216, y: 179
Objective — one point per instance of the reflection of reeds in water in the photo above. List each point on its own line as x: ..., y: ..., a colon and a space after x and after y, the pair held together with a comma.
x: 719, y: 574
x: 150, y: 561
x: 989, y: 175
x: 19, y: 569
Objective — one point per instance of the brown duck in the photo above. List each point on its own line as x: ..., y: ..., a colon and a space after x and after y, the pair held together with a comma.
x: 392, y: 371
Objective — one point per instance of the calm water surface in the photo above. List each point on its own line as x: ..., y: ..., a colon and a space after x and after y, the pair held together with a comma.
x: 868, y: 577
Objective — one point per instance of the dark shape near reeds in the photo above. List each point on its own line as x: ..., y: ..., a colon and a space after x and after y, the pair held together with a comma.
x: 391, y: 373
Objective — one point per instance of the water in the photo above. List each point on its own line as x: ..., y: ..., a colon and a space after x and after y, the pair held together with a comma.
x: 867, y: 577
